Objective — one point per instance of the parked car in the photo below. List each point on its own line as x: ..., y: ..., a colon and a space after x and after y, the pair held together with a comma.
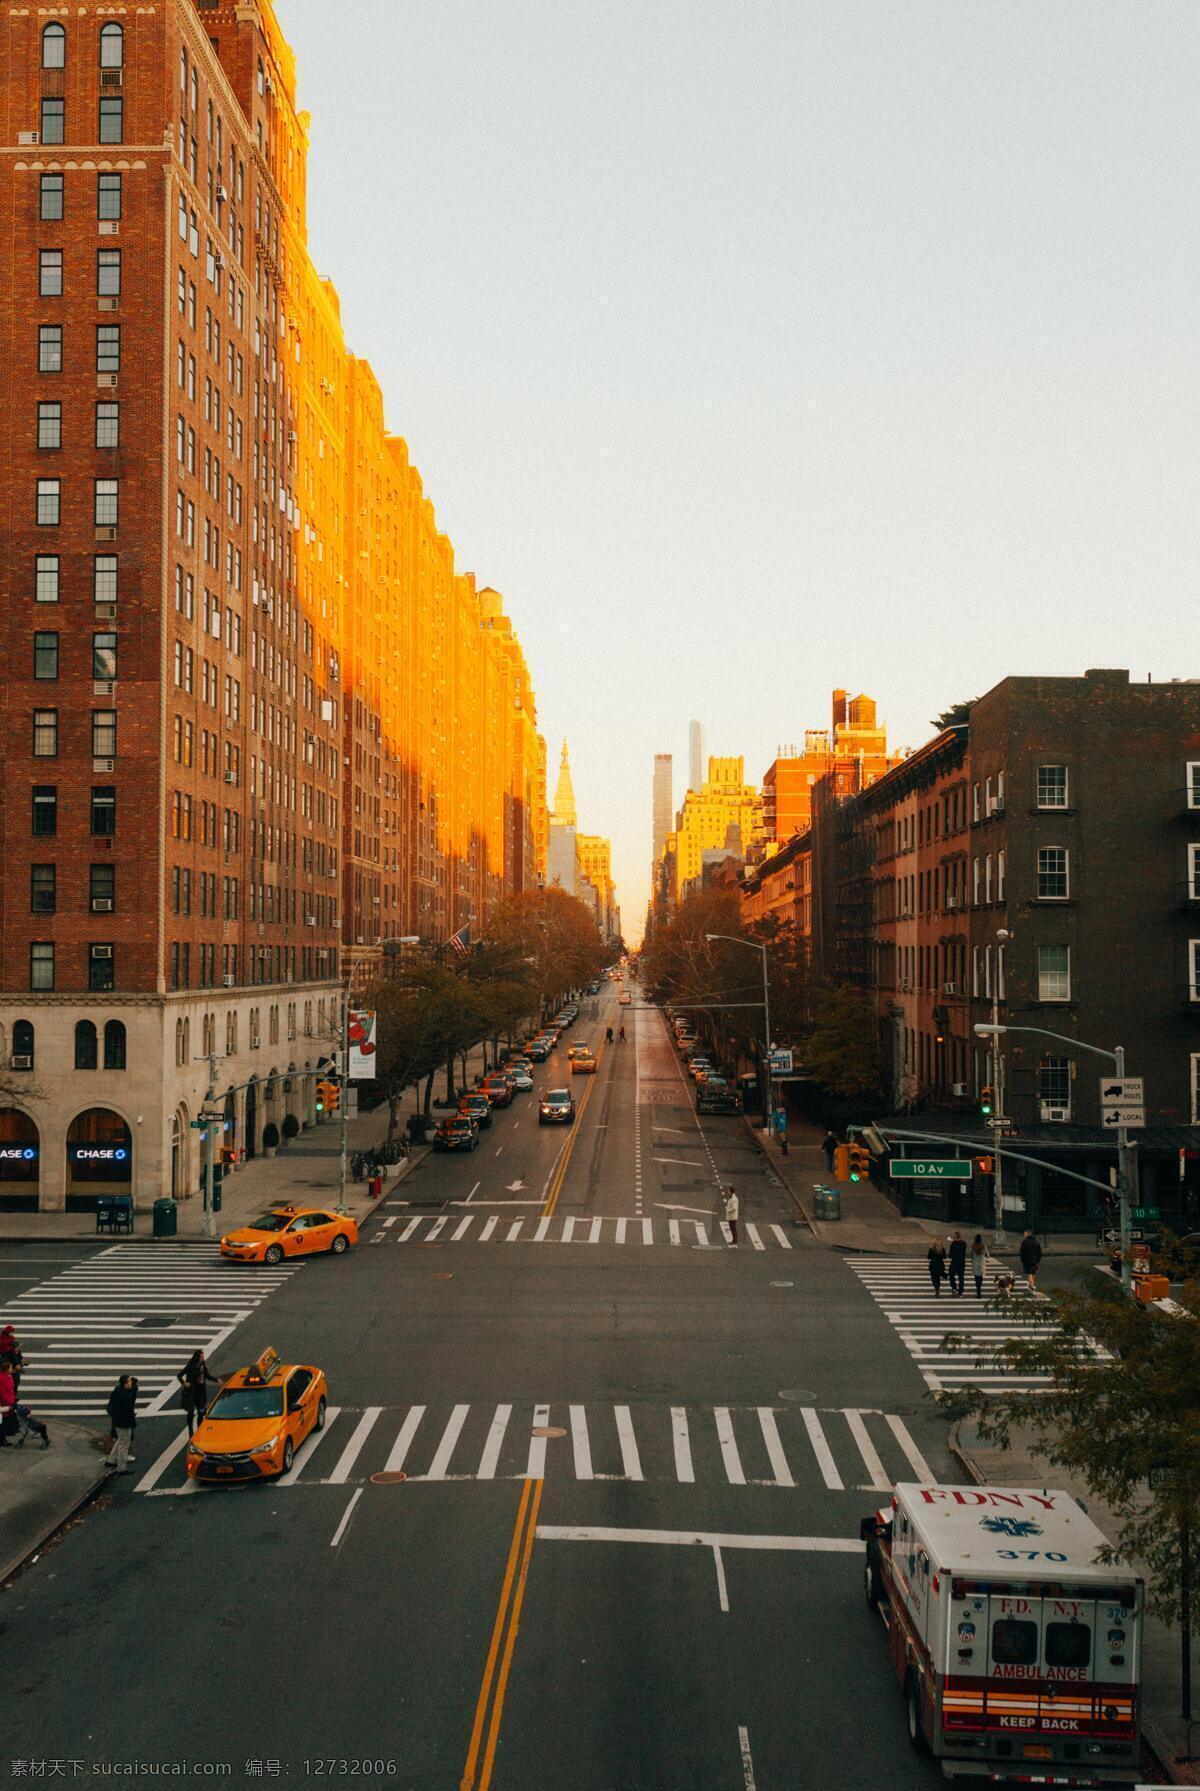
x: 498, y: 1090
x: 715, y: 1095
x: 557, y: 1108
x: 476, y: 1107
x: 458, y: 1133
x: 522, y: 1080
x: 539, y: 1049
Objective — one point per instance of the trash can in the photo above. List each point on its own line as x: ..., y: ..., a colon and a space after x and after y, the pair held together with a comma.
x: 818, y: 1203
x: 166, y: 1214
x: 833, y: 1204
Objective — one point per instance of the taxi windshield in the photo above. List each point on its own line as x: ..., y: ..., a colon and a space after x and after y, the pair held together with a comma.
x: 272, y: 1222
x: 248, y: 1402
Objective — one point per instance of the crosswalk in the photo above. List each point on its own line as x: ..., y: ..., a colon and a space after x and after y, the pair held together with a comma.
x: 844, y: 1449
x: 134, y: 1308
x: 901, y: 1287
x: 642, y: 1233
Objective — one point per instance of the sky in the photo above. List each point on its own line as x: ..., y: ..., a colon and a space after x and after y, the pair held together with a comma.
x: 752, y: 348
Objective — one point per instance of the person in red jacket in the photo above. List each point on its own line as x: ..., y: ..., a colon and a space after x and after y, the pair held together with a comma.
x: 8, y: 1399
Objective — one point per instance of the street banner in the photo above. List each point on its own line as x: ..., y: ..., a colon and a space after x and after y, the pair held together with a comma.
x: 362, y: 1045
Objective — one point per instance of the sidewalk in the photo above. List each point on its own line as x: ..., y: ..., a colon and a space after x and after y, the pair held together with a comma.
x: 869, y: 1221
x: 1165, y: 1730
x: 42, y: 1489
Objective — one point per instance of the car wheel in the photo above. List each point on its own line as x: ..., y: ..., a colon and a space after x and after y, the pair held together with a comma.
x: 340, y: 1244
x: 912, y: 1706
x: 289, y: 1454
x: 273, y: 1253
x: 320, y: 1423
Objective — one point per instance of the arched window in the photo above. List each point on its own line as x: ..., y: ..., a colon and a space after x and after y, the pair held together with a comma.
x: 114, y: 1044
x: 54, y: 47
x: 22, y: 1045
x: 179, y: 1041
x: 85, y: 1045
x: 187, y: 1040
x: 112, y: 47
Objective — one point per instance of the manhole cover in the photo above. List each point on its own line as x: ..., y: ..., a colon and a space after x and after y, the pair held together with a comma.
x: 803, y: 1394
x: 547, y: 1430
x: 153, y: 1324
x: 391, y: 1477
x: 783, y: 1284
x: 441, y: 1275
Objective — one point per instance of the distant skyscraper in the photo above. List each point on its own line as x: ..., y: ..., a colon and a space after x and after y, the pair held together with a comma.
x: 564, y: 793
x: 664, y: 801
x: 695, y: 756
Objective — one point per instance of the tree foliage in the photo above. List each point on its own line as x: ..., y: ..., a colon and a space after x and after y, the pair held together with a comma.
x: 955, y: 716
x: 842, y: 1049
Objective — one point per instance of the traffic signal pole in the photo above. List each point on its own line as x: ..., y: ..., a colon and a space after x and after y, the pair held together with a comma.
x: 343, y: 1098
x: 996, y: 1122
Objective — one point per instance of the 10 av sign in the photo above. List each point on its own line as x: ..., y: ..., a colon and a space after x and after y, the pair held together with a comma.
x: 938, y: 1169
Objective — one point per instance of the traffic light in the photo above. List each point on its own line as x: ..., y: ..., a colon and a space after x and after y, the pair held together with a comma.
x: 320, y: 1098
x: 333, y: 1097
x: 216, y: 1185
x: 986, y: 1165
x: 860, y: 1162
x: 841, y: 1163
x: 985, y: 1102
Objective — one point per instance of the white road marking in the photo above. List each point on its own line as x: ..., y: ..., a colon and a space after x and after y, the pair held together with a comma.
x: 752, y: 1234
x: 438, y: 1226
x: 594, y: 1233
x: 866, y: 1448
x: 535, y: 1468
x: 445, y: 1449
x: 828, y: 1545
x: 747, y: 1762
x: 821, y: 1450
x: 621, y: 1231
x: 919, y: 1465
x: 781, y: 1234
x: 704, y: 1211
x: 358, y: 1437
x: 734, y: 1472
x: 514, y: 1231
x: 722, y: 1588
x: 679, y: 1162
x: 495, y: 1438
x: 489, y: 1227
x: 543, y: 1226
x: 463, y: 1226
x: 673, y: 1229
x: 308, y: 1449
x: 400, y: 1447
x: 771, y: 1437
x: 388, y: 1223
x: 580, y: 1445
x: 161, y: 1463
x: 346, y: 1515
x: 647, y: 1231
x: 684, y: 1470
x: 411, y: 1227
x: 630, y: 1462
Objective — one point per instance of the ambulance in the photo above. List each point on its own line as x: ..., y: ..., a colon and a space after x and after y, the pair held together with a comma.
x: 1017, y: 1649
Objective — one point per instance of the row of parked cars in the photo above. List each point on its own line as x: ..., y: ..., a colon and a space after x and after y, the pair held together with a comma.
x: 512, y: 1076
x: 714, y: 1092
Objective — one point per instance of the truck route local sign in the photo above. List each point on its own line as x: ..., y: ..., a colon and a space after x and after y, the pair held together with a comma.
x: 936, y: 1169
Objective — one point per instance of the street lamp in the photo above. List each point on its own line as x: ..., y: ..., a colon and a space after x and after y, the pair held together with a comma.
x: 1126, y: 1160
x: 733, y: 939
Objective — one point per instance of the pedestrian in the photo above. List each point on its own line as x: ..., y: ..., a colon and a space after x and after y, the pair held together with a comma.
x: 621, y: 1036
x: 11, y: 1357
x: 9, y: 1422
x: 829, y: 1145
x: 958, y: 1263
x: 978, y: 1253
x: 193, y: 1379
x: 937, y: 1264
x: 732, y: 1209
x: 1030, y: 1253
x: 122, y: 1404
x: 376, y: 1185
x: 608, y: 1036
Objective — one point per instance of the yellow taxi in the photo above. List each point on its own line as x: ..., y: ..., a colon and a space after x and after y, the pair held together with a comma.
x: 258, y: 1420
x: 286, y: 1230
x: 583, y: 1064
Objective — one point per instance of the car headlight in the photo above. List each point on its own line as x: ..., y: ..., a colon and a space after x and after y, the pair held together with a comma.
x: 266, y: 1448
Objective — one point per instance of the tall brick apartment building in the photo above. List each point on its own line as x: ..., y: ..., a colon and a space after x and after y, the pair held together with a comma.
x: 243, y: 739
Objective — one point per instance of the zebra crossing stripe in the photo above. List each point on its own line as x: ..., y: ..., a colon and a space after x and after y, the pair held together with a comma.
x: 495, y: 1440
x: 681, y: 1233
x: 734, y: 1471
x: 684, y: 1470
x: 535, y: 1468
x: 440, y: 1464
x: 581, y: 1447
x: 866, y: 1449
x: 400, y: 1448
x: 350, y: 1453
x: 631, y: 1465
x: 821, y: 1449
x: 771, y: 1437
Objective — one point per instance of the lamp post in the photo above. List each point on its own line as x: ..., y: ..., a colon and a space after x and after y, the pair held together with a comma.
x: 996, y: 1121
x: 344, y: 1077
x: 733, y: 939
x: 1126, y: 1153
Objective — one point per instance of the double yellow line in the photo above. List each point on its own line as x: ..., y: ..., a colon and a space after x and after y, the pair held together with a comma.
x: 560, y: 1170
x: 477, y: 1773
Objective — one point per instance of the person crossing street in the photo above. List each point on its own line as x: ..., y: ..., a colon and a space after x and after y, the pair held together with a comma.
x: 958, y: 1263
x: 732, y: 1209
x: 1030, y: 1253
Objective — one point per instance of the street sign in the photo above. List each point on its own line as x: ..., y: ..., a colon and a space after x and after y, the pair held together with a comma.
x: 1112, y: 1117
x: 1144, y: 1212
x: 1002, y: 1123
x: 1123, y: 1091
x: 937, y: 1169
x: 780, y: 1062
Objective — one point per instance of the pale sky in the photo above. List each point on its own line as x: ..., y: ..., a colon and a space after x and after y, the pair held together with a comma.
x: 754, y: 347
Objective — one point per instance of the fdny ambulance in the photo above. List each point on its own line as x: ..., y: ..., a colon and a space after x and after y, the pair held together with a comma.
x: 1018, y: 1651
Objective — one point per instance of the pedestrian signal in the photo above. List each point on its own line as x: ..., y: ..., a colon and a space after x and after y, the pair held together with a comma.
x: 860, y: 1162
x: 986, y: 1165
x: 841, y: 1163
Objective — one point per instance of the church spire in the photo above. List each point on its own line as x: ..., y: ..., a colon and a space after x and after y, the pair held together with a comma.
x: 564, y: 792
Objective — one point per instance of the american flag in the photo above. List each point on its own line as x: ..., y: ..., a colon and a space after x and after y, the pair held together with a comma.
x: 460, y: 942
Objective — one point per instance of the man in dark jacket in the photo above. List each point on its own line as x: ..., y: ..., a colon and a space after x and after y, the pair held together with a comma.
x: 829, y: 1146
x: 1031, y: 1256
x: 122, y: 1404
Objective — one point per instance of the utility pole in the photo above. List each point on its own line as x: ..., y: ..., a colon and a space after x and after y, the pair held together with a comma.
x: 997, y: 1120
x: 344, y: 1102
x: 210, y: 1144
x: 768, y: 1090
x: 1127, y: 1175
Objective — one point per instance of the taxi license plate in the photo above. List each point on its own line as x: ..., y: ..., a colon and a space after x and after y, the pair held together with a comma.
x: 1038, y: 1753
x: 224, y: 1468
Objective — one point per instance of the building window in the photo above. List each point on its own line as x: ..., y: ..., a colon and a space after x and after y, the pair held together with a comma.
x: 54, y: 47
x: 1054, y: 1082
x: 114, y: 1044
x: 1193, y: 784
x: 100, y: 967
x: 45, y: 733
x: 43, y: 889
x: 49, y: 502
x: 105, y: 505
x: 50, y: 198
x: 1195, y: 1081
x: 1194, y: 969
x: 108, y: 273
x: 45, y: 657
x: 49, y: 424
x: 112, y: 108
x: 45, y: 811
x: 50, y: 273
x: 1053, y: 878
x: 1193, y: 882
x: 104, y: 810
x: 86, y: 1054
x: 104, y: 578
x: 50, y: 340
x: 108, y: 425
x: 45, y: 578
x: 41, y: 965
x: 108, y: 198
x: 104, y: 733
x: 1001, y: 864
x: 102, y: 888
x: 23, y: 1041
x: 108, y: 348
x: 104, y: 654
x: 1054, y: 972
x: 1052, y: 788
x: 112, y: 46
x: 54, y: 120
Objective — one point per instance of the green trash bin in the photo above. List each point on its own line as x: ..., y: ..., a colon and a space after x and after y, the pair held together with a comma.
x: 166, y: 1214
x: 833, y: 1204
x: 819, y: 1198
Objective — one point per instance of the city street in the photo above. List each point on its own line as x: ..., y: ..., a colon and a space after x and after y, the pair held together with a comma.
x: 616, y: 1542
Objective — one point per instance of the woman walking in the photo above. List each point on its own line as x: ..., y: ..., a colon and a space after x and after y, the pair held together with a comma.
x: 937, y: 1264
x: 978, y: 1254
x: 194, y: 1380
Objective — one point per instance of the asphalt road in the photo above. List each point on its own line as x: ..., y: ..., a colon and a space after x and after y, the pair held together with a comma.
x: 624, y: 1555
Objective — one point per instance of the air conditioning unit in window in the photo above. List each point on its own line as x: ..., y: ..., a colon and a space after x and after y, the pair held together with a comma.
x: 103, y: 686
x: 27, y: 138
x: 102, y: 951
x: 107, y: 382
x: 255, y: 1042
x: 106, y: 534
x: 107, y: 304
x: 230, y: 778
x: 949, y: 988
x: 109, y: 227
x: 112, y: 77
x: 102, y: 905
x: 105, y: 765
x: 310, y: 920
x: 951, y: 902
x: 1057, y: 1114
x: 958, y: 1089
x: 106, y: 612
x: 21, y: 1060
x: 227, y: 981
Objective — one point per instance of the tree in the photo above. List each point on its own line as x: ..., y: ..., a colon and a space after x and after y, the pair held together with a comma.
x: 842, y: 1049
x: 1121, y: 1408
x: 955, y: 716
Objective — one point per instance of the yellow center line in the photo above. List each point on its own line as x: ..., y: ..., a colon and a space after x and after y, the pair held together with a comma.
x: 485, y: 1777
x: 467, y: 1782
x: 560, y: 1174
